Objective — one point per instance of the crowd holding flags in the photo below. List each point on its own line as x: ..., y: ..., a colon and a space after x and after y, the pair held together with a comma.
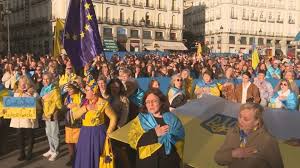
x: 82, y: 40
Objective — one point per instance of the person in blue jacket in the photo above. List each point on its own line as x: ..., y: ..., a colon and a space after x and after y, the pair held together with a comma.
x: 284, y: 97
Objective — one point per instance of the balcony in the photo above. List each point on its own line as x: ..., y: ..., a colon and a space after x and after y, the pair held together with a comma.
x: 262, y: 19
x: 254, y: 18
x: 161, y: 8
x: 271, y: 5
x: 279, y: 20
x: 159, y: 38
x: 174, y: 27
x: 112, y: 2
x: 271, y: 20
x: 245, y: 18
x: 149, y: 24
x: 233, y: 17
x: 175, y: 9
x: 291, y: 21
x: 137, y: 5
x: 149, y: 6
x: 124, y: 3
x: 161, y: 25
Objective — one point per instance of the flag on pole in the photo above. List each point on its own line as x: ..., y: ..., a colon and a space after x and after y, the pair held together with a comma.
x: 58, y: 38
x: 82, y: 40
x: 199, y: 51
x: 255, y: 57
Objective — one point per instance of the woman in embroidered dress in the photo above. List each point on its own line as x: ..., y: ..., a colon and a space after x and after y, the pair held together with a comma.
x: 93, y: 131
x: 285, y: 97
x: 157, y: 136
x: 176, y: 95
x: 72, y: 127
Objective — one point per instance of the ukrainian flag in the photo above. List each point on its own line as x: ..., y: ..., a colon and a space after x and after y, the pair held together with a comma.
x: 199, y: 51
x: 58, y: 32
x: 206, y: 127
x: 255, y: 58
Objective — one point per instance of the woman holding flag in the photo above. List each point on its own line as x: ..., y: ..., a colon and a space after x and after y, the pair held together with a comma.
x: 158, y: 136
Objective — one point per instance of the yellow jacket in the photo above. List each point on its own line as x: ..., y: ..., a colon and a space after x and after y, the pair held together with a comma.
x: 52, y: 102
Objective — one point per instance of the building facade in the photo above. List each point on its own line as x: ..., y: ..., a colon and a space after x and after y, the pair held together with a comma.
x: 2, y: 30
x: 233, y: 26
x: 120, y: 21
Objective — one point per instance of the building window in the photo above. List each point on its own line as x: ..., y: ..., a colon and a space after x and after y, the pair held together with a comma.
x: 122, y: 16
x: 269, y: 41
x: 232, y: 12
x: 260, y: 41
x: 159, y: 21
x: 173, y: 4
x: 159, y: 35
x: 244, y: 13
x: 107, y: 32
x: 231, y: 39
x: 147, y: 35
x: 147, y: 16
x: 134, y: 17
x: 251, y: 40
x: 243, y: 40
x: 134, y: 33
x: 219, y: 40
x: 172, y: 36
x: 107, y: 13
x: 212, y: 40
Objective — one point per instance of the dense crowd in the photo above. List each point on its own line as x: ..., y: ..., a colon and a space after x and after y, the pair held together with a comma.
x: 69, y: 93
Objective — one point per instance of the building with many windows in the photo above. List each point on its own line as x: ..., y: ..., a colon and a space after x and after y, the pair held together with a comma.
x: 235, y: 25
x: 2, y: 30
x: 157, y: 24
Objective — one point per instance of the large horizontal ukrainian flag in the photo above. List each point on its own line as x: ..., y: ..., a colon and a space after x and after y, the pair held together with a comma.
x: 207, y: 120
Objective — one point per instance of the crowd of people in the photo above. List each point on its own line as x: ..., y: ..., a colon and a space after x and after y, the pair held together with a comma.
x: 104, y: 95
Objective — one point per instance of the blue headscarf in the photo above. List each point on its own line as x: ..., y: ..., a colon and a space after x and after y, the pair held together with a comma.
x: 46, y: 89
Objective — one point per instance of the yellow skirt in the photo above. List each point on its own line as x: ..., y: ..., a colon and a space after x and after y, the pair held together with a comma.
x: 72, y: 135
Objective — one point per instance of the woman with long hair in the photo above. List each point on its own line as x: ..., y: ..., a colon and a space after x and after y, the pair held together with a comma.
x: 25, y: 127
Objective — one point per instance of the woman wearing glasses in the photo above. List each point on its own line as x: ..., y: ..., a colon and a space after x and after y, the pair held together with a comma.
x: 176, y: 95
x: 157, y: 136
x: 284, y: 97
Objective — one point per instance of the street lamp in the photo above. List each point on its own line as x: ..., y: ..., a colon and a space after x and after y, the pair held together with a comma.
x: 142, y: 22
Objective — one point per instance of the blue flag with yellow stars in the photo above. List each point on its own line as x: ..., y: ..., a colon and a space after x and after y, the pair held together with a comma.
x: 82, y: 40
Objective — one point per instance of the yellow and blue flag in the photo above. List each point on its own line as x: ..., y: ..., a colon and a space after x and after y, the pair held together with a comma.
x: 255, y: 57
x: 59, y: 29
x: 82, y: 40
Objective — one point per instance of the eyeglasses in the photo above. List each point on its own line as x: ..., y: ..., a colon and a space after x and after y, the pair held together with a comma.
x: 179, y: 80
x: 283, y: 84
x: 152, y: 101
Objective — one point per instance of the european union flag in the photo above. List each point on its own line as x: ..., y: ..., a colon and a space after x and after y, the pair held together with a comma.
x: 82, y: 40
